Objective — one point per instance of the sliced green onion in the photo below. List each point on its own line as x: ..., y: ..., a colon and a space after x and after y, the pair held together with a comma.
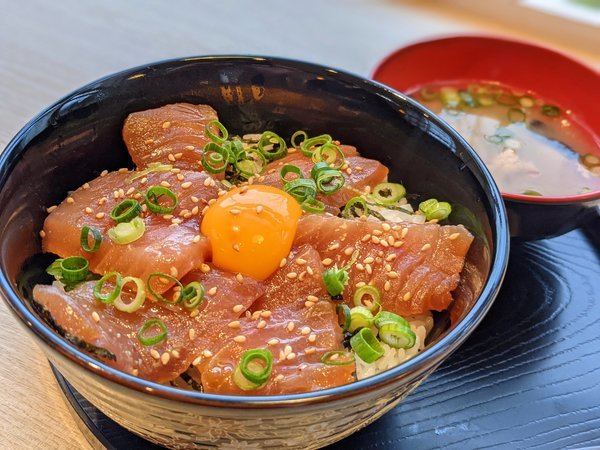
x: 153, y: 338
x: 388, y: 193
x: 360, y: 317
x: 224, y: 134
x: 344, y: 316
x: 127, y: 232
x: 328, y: 180
x: 137, y: 302
x: 336, y: 279
x: 236, y: 150
x: 296, y: 135
x: 337, y: 358
x: 152, y: 167
x: 193, y: 295
x: 428, y: 94
x: 74, y: 268
x: 253, y: 164
x: 467, y: 98
x: 312, y: 205
x: 432, y: 209
x: 531, y: 192
x: 126, y: 211
x: 330, y: 154
x: 153, y: 196
x: 353, y: 207
x: 397, y: 335
x: 96, y: 236
x: 301, y: 189
x: 366, y: 346
x: 449, y: 97
x: 309, y: 145
x: 254, y: 369
x: 368, y: 291
x: 112, y: 295
x: 290, y: 168
x: 162, y: 277
x: 272, y: 146
x: 215, y: 158
x: 550, y: 110
x: 384, y: 317
x: 516, y: 115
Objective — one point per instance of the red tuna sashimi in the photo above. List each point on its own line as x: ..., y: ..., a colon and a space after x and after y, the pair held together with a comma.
x: 297, y: 322
x: 171, y: 243
x: 415, y: 267
x: 360, y: 173
x: 172, y: 134
x: 189, y: 333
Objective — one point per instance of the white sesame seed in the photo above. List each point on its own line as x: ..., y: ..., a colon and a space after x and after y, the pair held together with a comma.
x: 283, y: 262
x: 135, y: 372
x: 392, y: 274
x: 166, y: 125
x: 192, y: 334
x: 292, y: 275
x: 207, y: 353
x: 291, y: 356
x: 234, y: 211
x: 104, y: 173
x: 391, y: 257
x: 95, y: 316
x: 42, y: 234
x: 290, y: 326
x: 310, y: 350
x: 240, y: 339
x: 287, y: 350
x: 305, y: 330
x: 309, y: 304
x: 387, y: 286
x: 186, y: 185
x: 239, y: 277
x: 398, y: 244
x: 212, y: 290
x: 309, y: 270
x: 360, y: 284
x: 165, y: 183
x: 234, y: 324
x: 377, y: 232
x: 164, y: 358
x: 334, y: 246
x: 154, y: 353
x: 369, y: 269
x: 369, y: 260
x: 375, y: 239
x: 312, y: 298
x: 312, y: 337
x: 70, y: 200
x: 266, y: 314
x: 407, y: 296
x: 100, y: 215
x: 365, y: 238
x: 189, y: 147
x: 194, y: 313
x: 348, y: 251
x: 279, y: 377
x: 300, y: 261
x: 403, y: 233
x: 236, y: 247
x: 454, y: 236
x: 180, y: 177
x: 426, y: 247
x: 86, y: 185
x: 51, y: 208
x: 327, y: 262
x: 238, y: 308
x: 178, y: 155
x: 174, y: 353
x: 197, y: 361
x: 261, y: 324
x: 360, y: 267
x: 196, y: 239
x: 386, y: 226
x: 174, y: 272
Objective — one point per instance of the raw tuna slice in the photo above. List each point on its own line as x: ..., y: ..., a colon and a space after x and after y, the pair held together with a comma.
x: 171, y: 244
x: 172, y: 134
x: 360, y: 173
x: 297, y: 322
x: 189, y: 333
x: 415, y: 267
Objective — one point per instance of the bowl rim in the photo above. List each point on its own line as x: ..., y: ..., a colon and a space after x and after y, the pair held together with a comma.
x: 551, y: 200
x: 418, y: 365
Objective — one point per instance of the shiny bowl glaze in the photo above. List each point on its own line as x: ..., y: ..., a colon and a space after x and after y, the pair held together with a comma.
x: 79, y: 136
x: 525, y: 66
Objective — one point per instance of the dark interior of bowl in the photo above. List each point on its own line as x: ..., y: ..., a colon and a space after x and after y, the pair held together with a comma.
x: 77, y: 138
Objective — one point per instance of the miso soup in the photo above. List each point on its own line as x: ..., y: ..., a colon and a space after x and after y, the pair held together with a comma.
x: 530, y: 145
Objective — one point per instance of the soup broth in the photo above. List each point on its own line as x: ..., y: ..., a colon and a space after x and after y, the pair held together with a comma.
x: 531, y: 146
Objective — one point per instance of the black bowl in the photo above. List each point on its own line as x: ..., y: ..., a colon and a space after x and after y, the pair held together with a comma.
x: 77, y: 137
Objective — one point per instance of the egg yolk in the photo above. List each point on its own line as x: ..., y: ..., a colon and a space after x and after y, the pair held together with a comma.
x: 251, y: 229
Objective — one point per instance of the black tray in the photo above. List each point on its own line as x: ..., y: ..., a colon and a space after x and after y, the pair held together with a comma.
x: 528, y: 377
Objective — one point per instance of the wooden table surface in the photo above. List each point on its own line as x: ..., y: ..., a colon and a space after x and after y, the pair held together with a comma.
x: 48, y: 49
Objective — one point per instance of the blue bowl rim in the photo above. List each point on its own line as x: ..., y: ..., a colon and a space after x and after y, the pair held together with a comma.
x: 416, y: 366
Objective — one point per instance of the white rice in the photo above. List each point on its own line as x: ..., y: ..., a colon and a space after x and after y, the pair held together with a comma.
x: 421, y: 325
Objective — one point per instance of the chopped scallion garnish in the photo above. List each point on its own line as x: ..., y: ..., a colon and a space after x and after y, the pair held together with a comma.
x: 152, y: 339
x: 254, y: 369
x: 312, y: 205
x: 193, y: 295
x: 127, y: 232
x: 330, y: 154
x: 96, y: 236
x: 344, y: 316
x: 388, y: 193
x: 74, y: 268
x: 126, y: 211
x: 112, y: 295
x: 222, y: 135
x: 360, y: 317
x: 432, y: 209
x: 361, y: 295
x: 550, y: 110
x: 337, y: 358
x: 137, y: 302
x: 165, y: 280
x: 272, y: 146
x: 309, y: 145
x: 366, y: 346
x: 153, y: 197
